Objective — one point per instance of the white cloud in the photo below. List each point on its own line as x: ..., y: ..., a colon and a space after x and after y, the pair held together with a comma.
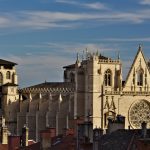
x: 47, y: 65
x: 39, y: 68
x: 145, y: 2
x: 48, y: 19
x: 141, y: 39
x: 73, y: 48
x: 4, y: 21
x: 95, y: 5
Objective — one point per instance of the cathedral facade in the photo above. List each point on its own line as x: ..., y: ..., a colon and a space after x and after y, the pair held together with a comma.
x: 93, y: 91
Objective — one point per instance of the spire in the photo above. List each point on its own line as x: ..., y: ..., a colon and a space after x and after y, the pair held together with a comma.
x: 118, y: 55
x: 21, y: 98
x: 60, y: 98
x: 59, y: 101
x: 50, y: 97
x: 50, y: 102
x: 97, y: 53
x: 77, y: 60
x: 30, y: 97
x: 140, y: 47
x: 86, y: 50
x: 40, y: 95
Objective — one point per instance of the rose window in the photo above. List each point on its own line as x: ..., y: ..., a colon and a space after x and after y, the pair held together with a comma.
x: 138, y: 113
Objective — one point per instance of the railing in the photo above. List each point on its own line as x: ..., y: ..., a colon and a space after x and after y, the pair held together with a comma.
x: 46, y: 90
x: 109, y: 61
x: 134, y: 93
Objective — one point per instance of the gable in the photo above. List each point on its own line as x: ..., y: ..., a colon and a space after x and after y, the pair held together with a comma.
x: 139, y: 64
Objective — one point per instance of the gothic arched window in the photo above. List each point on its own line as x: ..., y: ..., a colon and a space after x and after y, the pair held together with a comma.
x: 1, y: 78
x: 108, y: 77
x: 8, y: 75
x: 140, y: 77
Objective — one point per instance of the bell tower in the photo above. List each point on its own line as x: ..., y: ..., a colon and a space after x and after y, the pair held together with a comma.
x: 8, y: 93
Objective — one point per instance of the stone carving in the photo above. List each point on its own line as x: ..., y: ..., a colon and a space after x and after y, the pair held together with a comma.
x: 138, y: 113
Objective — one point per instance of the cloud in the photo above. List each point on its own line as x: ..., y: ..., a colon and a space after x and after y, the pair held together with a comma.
x: 32, y: 70
x: 39, y: 66
x: 95, y: 5
x: 72, y: 48
x: 48, y: 19
x: 141, y: 39
x: 145, y: 2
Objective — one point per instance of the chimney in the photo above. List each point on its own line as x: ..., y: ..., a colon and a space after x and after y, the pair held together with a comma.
x: 25, y: 136
x: 13, y: 142
x: 118, y: 123
x: 144, y: 129
x: 46, y: 137
x: 4, y: 135
x: 4, y: 132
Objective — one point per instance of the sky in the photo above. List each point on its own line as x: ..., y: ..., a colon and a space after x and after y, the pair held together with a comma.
x: 42, y: 36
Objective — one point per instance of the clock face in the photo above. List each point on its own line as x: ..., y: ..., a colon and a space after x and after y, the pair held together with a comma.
x: 139, y: 112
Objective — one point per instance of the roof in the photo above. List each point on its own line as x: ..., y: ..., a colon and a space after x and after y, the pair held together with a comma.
x: 3, y: 146
x: 66, y: 143
x: 139, y: 50
x: 120, y: 140
x: 35, y: 146
x: 103, y: 57
x: 53, y: 85
x: 5, y: 62
x: 10, y: 84
x: 70, y: 66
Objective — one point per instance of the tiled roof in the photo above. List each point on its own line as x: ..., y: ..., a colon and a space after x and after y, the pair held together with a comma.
x: 53, y: 85
x: 5, y: 62
x: 67, y: 143
x: 3, y: 147
x: 120, y: 139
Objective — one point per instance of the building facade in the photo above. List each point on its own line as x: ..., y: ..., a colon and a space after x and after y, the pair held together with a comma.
x: 93, y: 91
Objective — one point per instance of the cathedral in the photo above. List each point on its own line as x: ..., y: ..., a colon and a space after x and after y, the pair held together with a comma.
x: 92, y: 92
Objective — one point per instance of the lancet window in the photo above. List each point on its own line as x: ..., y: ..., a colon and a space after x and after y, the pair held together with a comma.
x: 8, y: 75
x: 108, y: 77
x: 140, y: 77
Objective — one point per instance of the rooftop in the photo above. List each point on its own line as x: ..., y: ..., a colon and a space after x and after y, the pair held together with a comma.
x: 5, y: 62
x: 53, y: 85
x: 70, y: 66
x: 120, y: 140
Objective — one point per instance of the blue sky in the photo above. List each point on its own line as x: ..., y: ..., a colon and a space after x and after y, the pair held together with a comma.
x: 44, y: 35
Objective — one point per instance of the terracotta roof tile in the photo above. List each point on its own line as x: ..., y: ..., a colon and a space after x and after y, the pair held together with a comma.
x: 3, y: 147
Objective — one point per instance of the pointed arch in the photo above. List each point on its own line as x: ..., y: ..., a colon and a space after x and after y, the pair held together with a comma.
x: 108, y: 77
x: 140, y: 74
x: 8, y: 75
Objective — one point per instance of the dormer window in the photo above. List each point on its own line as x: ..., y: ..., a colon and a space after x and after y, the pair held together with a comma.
x: 140, y: 77
x: 108, y: 77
